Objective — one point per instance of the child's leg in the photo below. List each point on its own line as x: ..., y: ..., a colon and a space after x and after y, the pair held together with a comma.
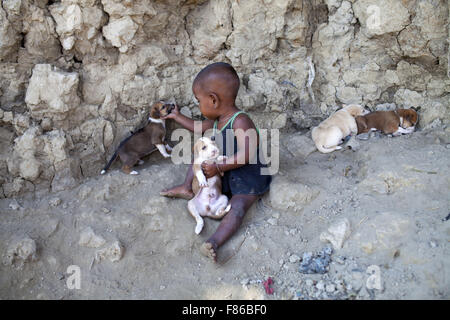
x: 183, y: 190
x: 240, y: 203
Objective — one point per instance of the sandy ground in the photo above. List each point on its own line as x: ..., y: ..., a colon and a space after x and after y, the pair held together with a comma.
x: 393, y: 192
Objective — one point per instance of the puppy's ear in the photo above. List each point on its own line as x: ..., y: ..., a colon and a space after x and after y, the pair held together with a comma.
x: 361, y: 123
x: 196, y: 149
x: 154, y: 112
x: 412, y: 116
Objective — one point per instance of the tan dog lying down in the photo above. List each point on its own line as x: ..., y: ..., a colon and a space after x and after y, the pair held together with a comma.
x: 208, y: 200
x: 329, y: 133
x: 389, y: 122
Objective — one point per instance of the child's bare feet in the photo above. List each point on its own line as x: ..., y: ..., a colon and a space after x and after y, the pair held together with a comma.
x: 208, y: 250
x: 178, y: 192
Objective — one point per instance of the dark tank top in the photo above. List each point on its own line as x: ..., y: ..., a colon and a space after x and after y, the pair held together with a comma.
x: 248, y: 178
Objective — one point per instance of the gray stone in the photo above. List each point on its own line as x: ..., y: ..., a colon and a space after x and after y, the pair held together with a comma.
x: 337, y: 233
x: 317, y: 262
x: 89, y: 239
x: 286, y: 195
x: 114, y: 252
x: 300, y: 146
x: 20, y: 251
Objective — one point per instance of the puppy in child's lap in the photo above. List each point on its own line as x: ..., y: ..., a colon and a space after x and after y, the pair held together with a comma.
x: 208, y: 200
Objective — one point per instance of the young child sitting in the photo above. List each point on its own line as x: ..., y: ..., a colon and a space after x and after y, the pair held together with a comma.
x: 216, y: 88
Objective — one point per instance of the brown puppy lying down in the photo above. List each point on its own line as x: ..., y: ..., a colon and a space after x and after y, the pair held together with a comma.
x: 208, y: 200
x: 144, y: 141
x: 389, y: 122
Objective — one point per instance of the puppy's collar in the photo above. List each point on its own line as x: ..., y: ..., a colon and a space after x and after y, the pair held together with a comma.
x: 157, y: 121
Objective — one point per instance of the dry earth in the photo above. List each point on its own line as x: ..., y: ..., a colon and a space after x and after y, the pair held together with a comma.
x: 388, y: 197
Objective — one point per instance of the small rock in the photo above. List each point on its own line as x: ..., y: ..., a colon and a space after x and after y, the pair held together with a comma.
x: 320, y: 285
x: 337, y: 233
x: 363, y: 136
x: 300, y: 146
x: 55, y: 202
x: 20, y: 251
x: 114, y: 252
x: 291, y: 195
x: 84, y: 192
x: 14, y: 205
x: 376, y: 134
x: 309, y: 282
x: 339, y: 259
x: 317, y: 263
x: 330, y: 288
x: 50, y: 227
x: 294, y: 258
x: 245, y: 282
x: 352, y: 144
x: 89, y: 239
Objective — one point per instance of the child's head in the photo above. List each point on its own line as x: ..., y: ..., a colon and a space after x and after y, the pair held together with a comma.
x: 216, y: 87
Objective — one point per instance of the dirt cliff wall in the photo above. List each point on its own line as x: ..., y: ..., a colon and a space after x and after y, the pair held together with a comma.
x: 77, y: 75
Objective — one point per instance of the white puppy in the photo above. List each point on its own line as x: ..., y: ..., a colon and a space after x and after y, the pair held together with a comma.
x: 208, y: 200
x: 329, y: 133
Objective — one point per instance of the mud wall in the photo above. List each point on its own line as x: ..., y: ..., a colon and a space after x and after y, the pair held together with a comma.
x: 77, y: 75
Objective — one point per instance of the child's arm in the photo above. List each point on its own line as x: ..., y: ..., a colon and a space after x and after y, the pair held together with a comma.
x: 186, y: 122
x: 247, y: 144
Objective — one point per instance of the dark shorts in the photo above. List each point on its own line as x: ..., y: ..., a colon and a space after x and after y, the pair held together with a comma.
x: 246, y: 180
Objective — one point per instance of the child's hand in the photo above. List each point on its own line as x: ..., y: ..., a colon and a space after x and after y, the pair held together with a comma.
x: 172, y: 115
x: 209, y: 169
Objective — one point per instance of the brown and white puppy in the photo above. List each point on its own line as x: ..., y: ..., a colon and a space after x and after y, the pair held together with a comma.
x: 144, y: 141
x: 330, y: 133
x: 208, y: 200
x: 389, y: 122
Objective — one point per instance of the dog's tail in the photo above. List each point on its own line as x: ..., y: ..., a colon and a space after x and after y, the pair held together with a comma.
x: 114, y: 156
x: 325, y: 149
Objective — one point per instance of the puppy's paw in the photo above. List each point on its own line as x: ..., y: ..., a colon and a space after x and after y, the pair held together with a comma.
x: 167, y: 155
x: 199, y: 227
x: 409, y: 130
x: 134, y: 172
x: 103, y: 172
x: 221, y: 158
x: 202, y: 182
x: 338, y: 148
